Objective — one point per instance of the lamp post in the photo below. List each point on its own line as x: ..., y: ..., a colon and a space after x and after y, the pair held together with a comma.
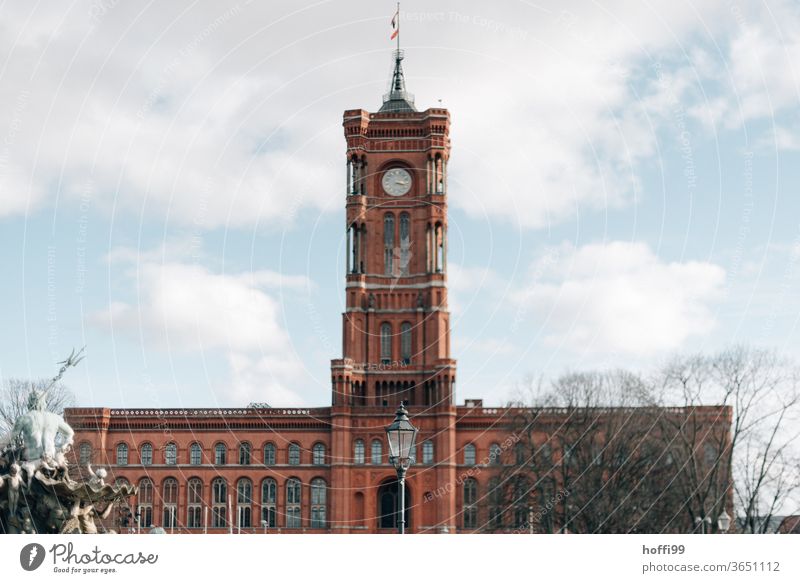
x: 402, y: 437
x: 702, y: 523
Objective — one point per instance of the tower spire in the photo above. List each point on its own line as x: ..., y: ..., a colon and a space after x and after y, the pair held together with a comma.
x: 398, y: 99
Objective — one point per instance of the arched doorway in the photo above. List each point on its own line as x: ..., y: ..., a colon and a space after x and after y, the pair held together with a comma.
x: 389, y: 505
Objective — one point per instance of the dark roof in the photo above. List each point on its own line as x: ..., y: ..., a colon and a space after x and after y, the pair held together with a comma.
x: 398, y: 99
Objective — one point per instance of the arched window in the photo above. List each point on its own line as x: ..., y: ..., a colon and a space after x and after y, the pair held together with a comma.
x: 470, y: 503
x: 85, y: 454
x: 293, y: 503
x: 427, y: 452
x: 405, y: 243
x: 244, y: 454
x: 495, y: 503
x: 546, y: 451
x: 386, y: 343
x: 122, y: 454
x: 195, y: 454
x: 469, y: 454
x: 405, y: 342
x: 294, y: 454
x: 170, y: 500
x: 318, y: 503
x: 388, y: 244
x: 319, y: 454
x: 220, y: 454
x: 709, y: 454
x: 495, y: 454
x: 146, y: 454
x: 219, y: 503
x: 145, y: 503
x: 269, y: 454
x: 194, y: 506
x: 171, y: 454
x: 358, y: 451
x: 519, y: 454
x: 269, y: 498
x: 244, y: 501
x: 377, y: 452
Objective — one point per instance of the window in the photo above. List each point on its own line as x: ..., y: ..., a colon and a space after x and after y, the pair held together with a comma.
x: 427, y: 452
x: 244, y: 454
x: 319, y: 454
x: 386, y: 343
x: 469, y: 454
x: 145, y: 503
x: 85, y: 454
x: 405, y: 243
x: 388, y: 244
x: 195, y: 454
x: 547, y: 455
x: 171, y: 454
x: 293, y: 503
x: 358, y: 451
x: 219, y: 503
x: 194, y: 495
x: 220, y: 454
x: 519, y: 454
x: 269, y: 454
x: 495, y: 454
x: 244, y: 501
x: 122, y: 454
x: 294, y: 454
x: 495, y: 504
x: 377, y: 452
x: 709, y: 454
x: 470, y: 503
x: 269, y: 497
x: 405, y: 342
x: 170, y: 503
x: 318, y: 503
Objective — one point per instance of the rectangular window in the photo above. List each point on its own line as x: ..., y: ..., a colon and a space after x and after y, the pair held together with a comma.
x: 194, y: 518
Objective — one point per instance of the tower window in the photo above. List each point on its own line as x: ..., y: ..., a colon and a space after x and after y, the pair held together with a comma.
x: 377, y: 452
x: 388, y: 244
x: 405, y: 342
x: 386, y: 343
x: 405, y: 243
x: 427, y: 452
x: 358, y: 451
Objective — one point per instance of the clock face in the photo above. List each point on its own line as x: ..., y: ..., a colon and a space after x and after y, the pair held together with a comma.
x: 396, y: 182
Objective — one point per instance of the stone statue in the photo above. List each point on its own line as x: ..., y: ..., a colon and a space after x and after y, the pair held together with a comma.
x: 34, y: 459
x: 14, y: 480
x: 40, y: 428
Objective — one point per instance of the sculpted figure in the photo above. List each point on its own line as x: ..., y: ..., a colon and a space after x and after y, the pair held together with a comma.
x: 86, y: 515
x: 40, y: 428
x: 97, y: 479
x: 14, y: 479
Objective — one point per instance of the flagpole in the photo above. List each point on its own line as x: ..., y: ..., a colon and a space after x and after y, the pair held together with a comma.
x: 398, y: 28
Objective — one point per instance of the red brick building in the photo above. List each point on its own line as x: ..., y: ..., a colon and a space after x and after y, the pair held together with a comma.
x: 326, y: 469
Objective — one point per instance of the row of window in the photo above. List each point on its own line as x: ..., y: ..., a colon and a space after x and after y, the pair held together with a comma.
x: 241, y: 504
x: 293, y: 454
x: 220, y: 454
x: 405, y: 343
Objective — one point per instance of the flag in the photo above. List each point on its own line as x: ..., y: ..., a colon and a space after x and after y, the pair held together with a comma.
x: 395, y: 25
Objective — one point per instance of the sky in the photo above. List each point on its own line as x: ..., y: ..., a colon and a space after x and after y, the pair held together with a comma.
x: 623, y: 185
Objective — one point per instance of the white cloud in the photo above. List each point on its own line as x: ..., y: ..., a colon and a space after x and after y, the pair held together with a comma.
x: 187, y: 309
x: 620, y: 298
x: 226, y: 116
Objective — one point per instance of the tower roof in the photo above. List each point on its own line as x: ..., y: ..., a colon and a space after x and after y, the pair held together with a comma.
x: 398, y: 99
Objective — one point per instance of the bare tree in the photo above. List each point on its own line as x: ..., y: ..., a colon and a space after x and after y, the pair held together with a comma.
x: 14, y: 399
x: 589, y: 458
x: 760, y: 393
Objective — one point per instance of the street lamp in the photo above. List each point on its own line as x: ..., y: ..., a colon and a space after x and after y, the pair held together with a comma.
x: 702, y: 523
x: 264, y: 526
x: 402, y: 438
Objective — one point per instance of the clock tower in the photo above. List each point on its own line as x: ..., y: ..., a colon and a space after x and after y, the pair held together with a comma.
x: 396, y: 325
